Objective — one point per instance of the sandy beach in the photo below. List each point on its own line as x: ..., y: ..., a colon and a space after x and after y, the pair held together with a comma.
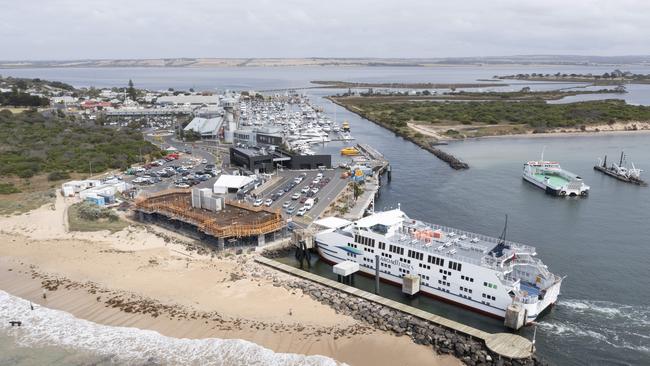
x: 146, y: 277
x: 634, y: 127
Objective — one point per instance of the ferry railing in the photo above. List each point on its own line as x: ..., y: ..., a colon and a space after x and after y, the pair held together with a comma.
x: 419, y: 225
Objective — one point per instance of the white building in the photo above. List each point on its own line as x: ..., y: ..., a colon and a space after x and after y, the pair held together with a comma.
x: 230, y: 183
x: 207, y: 127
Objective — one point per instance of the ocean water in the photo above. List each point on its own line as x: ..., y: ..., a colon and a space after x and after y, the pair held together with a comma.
x: 53, y: 337
x: 600, y: 243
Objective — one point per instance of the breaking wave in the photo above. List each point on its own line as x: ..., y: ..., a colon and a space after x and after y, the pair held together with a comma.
x: 47, y: 327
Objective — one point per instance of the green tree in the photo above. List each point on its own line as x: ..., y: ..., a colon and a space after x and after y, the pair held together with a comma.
x: 133, y: 94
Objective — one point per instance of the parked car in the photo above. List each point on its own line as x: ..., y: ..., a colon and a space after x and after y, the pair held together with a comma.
x: 258, y: 202
x: 295, y: 196
x: 301, y: 211
x: 305, y: 189
x: 314, y: 190
x: 268, y: 202
x: 286, y: 204
x: 182, y: 185
x: 290, y: 210
x: 319, y: 176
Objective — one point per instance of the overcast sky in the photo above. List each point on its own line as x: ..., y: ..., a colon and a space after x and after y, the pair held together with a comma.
x: 76, y: 29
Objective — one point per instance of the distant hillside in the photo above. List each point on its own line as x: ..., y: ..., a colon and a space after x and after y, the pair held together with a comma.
x: 325, y: 61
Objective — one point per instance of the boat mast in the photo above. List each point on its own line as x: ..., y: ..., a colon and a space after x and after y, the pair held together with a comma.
x: 605, y: 162
x: 502, y: 238
x: 620, y: 164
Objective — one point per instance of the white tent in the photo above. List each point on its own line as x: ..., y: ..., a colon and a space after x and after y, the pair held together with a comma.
x: 226, y: 183
x: 332, y: 222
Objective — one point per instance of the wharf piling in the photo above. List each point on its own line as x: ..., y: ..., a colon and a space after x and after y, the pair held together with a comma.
x: 503, y: 346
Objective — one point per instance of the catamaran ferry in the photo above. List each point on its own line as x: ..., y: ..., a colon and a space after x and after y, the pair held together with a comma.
x: 484, y: 274
x: 549, y: 176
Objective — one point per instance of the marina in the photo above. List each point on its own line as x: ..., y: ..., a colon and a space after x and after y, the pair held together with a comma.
x: 561, y: 234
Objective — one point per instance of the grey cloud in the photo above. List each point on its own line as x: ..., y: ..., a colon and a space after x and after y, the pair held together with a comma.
x: 73, y: 29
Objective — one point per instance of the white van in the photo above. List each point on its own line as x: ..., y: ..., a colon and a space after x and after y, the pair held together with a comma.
x: 309, y: 203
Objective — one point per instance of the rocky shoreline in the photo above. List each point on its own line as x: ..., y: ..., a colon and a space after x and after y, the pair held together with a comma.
x: 442, y: 341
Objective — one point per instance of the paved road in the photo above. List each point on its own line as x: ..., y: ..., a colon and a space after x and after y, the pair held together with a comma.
x: 325, y: 195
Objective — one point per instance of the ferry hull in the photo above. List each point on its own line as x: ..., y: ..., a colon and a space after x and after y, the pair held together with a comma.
x: 447, y: 297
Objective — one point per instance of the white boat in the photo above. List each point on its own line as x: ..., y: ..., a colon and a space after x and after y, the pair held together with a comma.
x: 488, y: 275
x: 549, y: 176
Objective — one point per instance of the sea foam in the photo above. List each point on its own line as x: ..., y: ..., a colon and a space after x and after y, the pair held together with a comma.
x: 48, y: 327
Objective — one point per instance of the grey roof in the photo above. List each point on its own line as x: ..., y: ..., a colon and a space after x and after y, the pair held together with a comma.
x: 188, y: 99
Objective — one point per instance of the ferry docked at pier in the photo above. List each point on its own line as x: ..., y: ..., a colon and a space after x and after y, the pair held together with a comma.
x: 549, y: 176
x: 485, y: 274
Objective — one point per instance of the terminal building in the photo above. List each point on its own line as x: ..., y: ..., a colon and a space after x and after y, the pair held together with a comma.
x: 259, y: 137
x: 263, y: 160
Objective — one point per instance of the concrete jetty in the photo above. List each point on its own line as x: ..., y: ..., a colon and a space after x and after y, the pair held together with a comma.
x: 503, y: 345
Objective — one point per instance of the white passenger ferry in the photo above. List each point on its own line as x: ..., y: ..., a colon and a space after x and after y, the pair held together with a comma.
x: 474, y: 271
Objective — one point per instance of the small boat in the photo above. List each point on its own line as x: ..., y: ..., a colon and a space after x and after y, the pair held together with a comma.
x: 345, y: 127
x: 349, y: 151
x: 620, y: 172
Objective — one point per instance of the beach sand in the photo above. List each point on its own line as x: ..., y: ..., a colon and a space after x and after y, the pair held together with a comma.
x: 145, y: 277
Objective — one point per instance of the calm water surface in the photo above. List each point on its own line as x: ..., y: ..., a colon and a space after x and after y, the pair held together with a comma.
x: 600, y: 243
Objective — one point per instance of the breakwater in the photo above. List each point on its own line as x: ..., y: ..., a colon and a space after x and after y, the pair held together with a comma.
x: 470, y: 345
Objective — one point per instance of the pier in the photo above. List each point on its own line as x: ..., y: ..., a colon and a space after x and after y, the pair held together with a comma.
x: 504, y: 345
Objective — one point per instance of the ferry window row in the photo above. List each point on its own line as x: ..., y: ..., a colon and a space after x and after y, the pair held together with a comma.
x: 404, y: 271
x: 368, y: 250
x: 465, y: 289
x: 435, y: 260
x: 385, y: 265
x: 490, y: 285
x: 424, y: 266
x: 365, y: 241
x: 443, y: 289
x: 455, y: 265
x: 463, y: 277
x: 382, y: 245
x: 444, y: 283
x: 445, y: 272
x: 489, y: 297
x: 405, y: 260
x: 424, y: 276
x: 465, y: 296
x: 352, y: 255
x: 415, y: 255
x: 395, y: 249
x: 386, y: 255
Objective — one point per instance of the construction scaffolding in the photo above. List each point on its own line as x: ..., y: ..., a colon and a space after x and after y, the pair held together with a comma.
x: 236, y: 220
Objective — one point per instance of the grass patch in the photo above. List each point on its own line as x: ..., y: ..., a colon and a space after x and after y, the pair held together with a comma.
x: 89, y: 217
x: 8, y: 188
x: 17, y: 203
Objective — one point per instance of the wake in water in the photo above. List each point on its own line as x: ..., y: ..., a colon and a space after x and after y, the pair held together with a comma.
x: 619, y: 326
x: 47, y: 327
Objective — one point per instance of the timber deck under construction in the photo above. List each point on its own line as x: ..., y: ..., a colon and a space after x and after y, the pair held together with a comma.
x: 235, y: 220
